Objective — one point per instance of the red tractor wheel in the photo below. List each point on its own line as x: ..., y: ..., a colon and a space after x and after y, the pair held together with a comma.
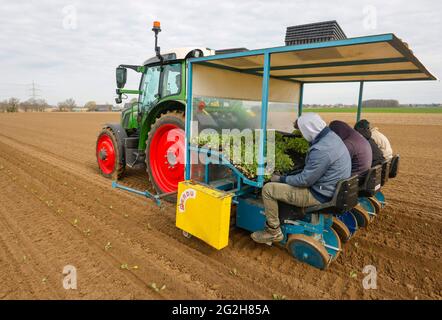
x: 110, y: 162
x: 165, y: 151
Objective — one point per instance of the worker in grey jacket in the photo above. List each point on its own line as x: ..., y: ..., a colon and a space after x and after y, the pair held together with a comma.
x: 327, y: 162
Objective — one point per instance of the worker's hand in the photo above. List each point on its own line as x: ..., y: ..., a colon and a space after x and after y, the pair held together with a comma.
x: 275, y: 178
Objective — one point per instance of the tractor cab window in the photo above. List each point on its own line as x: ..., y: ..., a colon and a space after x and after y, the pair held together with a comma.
x: 171, y: 79
x: 150, y: 85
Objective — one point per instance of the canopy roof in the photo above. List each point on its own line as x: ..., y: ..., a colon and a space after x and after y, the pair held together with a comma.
x: 372, y: 58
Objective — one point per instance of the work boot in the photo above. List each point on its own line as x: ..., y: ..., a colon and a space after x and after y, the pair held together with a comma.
x: 268, y: 235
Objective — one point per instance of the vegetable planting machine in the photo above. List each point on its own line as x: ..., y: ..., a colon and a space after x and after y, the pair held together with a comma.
x: 188, y: 91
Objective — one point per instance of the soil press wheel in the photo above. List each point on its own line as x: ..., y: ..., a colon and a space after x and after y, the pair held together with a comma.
x: 376, y: 204
x: 380, y: 198
x: 109, y: 158
x: 341, y: 229
x: 332, y: 241
x: 368, y: 206
x: 361, y: 215
x: 165, y: 151
x: 308, y: 250
x: 350, y: 222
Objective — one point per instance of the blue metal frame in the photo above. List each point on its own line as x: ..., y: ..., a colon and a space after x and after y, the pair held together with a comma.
x: 395, y: 42
x: 331, y: 64
x: 361, y: 92
x: 301, y: 99
x: 264, y: 109
x: 188, y: 119
x: 345, y: 42
x: 263, y: 135
x: 266, y: 53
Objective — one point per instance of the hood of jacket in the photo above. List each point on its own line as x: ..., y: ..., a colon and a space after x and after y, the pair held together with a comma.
x: 362, y: 124
x: 310, y: 125
x: 365, y: 132
x: 342, y: 129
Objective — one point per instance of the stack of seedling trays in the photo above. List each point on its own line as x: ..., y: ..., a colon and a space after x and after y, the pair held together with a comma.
x: 314, y: 32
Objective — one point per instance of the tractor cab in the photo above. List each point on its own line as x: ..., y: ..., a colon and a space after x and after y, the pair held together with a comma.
x: 152, y: 121
x: 162, y: 78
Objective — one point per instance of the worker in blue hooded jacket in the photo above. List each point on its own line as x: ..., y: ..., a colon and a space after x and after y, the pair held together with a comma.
x: 327, y: 162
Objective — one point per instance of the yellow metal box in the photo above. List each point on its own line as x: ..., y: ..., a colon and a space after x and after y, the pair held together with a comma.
x: 204, y: 212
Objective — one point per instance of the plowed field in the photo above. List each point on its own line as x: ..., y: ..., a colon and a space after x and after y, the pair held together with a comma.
x: 56, y: 210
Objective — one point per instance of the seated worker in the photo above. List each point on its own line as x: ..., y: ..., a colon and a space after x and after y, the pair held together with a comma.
x: 358, y: 147
x: 380, y: 139
x: 327, y: 162
x: 377, y: 156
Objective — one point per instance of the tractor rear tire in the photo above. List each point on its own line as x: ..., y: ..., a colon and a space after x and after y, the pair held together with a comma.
x: 110, y: 162
x: 165, y: 148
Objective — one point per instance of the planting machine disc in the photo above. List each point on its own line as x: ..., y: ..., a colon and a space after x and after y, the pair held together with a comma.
x: 308, y: 250
x: 350, y: 222
x: 361, y: 215
x: 376, y: 204
x: 332, y: 242
x: 341, y: 229
x: 368, y: 206
x: 380, y: 198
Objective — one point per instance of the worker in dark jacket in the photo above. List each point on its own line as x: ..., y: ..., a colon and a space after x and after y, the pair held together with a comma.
x: 381, y: 140
x: 327, y: 163
x: 358, y: 147
x: 377, y: 155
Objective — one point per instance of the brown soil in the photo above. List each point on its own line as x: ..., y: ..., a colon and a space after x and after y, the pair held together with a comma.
x: 56, y: 210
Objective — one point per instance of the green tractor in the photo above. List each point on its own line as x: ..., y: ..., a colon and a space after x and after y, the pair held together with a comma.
x: 151, y: 130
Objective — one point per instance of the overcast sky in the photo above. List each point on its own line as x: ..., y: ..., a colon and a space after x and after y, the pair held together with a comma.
x: 71, y: 48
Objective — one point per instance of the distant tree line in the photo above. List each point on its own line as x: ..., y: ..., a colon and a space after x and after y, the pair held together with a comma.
x: 381, y: 103
x: 31, y: 105
x: 375, y: 103
x: 40, y: 105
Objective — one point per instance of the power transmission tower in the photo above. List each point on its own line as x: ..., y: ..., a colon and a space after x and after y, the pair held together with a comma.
x: 34, y: 89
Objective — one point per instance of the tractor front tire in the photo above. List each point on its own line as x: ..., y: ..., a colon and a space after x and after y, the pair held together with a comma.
x: 110, y: 161
x: 165, y: 151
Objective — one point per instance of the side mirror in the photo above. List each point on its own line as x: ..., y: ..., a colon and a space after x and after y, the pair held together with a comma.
x: 121, y: 75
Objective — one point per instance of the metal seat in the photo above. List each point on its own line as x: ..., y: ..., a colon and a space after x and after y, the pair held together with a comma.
x: 344, y: 199
x: 385, y: 172
x: 370, y: 182
x: 394, y: 166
